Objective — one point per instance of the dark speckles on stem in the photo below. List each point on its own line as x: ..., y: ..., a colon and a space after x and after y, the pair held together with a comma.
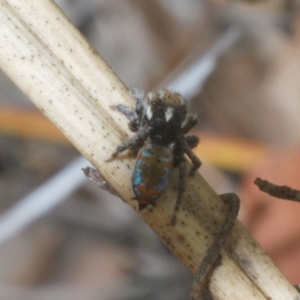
x: 254, y: 278
x: 93, y: 51
x: 180, y: 256
x: 172, y: 246
x: 180, y: 238
x: 245, y: 261
x: 167, y: 242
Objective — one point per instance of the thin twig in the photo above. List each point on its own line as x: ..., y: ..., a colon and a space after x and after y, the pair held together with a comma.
x: 278, y: 191
x: 210, y: 259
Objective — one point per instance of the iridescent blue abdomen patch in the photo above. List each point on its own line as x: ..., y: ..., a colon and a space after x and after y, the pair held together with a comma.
x: 151, y: 173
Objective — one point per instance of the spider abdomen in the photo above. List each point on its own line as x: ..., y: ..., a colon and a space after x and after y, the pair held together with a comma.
x: 151, y: 173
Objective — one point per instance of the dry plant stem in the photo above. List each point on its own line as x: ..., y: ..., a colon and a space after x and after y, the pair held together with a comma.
x: 278, y: 191
x: 53, y: 64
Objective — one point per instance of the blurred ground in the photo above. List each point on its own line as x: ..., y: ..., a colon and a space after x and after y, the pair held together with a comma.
x: 93, y: 246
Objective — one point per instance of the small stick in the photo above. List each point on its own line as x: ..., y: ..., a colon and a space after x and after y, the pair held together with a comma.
x: 282, y: 192
x: 212, y: 255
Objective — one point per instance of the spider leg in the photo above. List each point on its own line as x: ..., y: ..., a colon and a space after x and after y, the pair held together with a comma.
x: 181, y: 189
x: 189, y: 122
x: 192, y: 141
x: 131, y: 115
x: 139, y: 97
x: 212, y: 254
x: 132, y: 143
x: 128, y: 112
x: 134, y: 115
x: 194, y: 159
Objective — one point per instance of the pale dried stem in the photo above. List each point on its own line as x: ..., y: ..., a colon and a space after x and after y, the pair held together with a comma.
x: 54, y: 65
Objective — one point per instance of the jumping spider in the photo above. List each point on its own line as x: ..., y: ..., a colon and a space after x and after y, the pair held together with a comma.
x: 160, y: 121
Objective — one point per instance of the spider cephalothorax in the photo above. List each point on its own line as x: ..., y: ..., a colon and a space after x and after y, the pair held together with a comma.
x: 160, y: 120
